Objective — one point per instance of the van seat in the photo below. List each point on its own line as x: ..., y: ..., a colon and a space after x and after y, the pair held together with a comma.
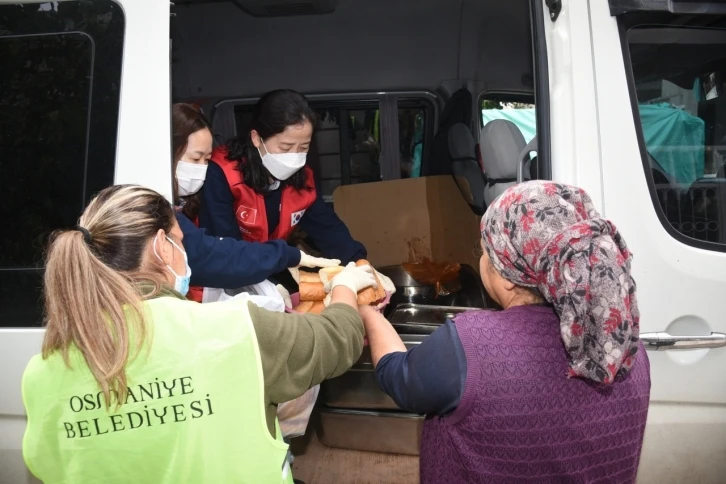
x: 464, y: 164
x: 500, y: 143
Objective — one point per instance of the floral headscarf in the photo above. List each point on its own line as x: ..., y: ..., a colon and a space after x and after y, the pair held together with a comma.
x: 549, y: 236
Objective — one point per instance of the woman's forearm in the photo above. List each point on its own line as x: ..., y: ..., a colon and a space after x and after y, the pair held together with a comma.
x: 382, y: 337
x: 344, y: 295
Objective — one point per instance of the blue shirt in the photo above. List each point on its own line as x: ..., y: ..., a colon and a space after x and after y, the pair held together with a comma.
x: 227, y: 263
x: 429, y: 378
x: 320, y: 222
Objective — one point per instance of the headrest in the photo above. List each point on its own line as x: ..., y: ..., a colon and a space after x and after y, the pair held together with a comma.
x: 500, y: 144
x: 461, y: 143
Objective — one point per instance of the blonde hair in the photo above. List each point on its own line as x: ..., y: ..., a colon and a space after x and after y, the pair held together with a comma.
x: 94, y: 279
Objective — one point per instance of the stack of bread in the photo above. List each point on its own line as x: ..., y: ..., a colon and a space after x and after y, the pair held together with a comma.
x: 312, y: 293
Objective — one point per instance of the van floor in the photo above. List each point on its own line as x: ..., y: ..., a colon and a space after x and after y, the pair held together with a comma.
x: 317, y: 464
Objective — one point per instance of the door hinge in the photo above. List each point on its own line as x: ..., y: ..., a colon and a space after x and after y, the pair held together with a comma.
x: 555, y: 7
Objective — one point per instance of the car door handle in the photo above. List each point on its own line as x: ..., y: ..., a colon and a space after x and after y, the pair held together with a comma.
x: 664, y: 341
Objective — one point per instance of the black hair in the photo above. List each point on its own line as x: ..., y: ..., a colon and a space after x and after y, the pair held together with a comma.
x: 274, y: 112
x: 185, y: 121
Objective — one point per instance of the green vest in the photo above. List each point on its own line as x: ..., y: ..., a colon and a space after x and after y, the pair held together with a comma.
x: 195, y: 411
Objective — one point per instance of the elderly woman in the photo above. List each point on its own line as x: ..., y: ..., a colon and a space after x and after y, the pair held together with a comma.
x: 554, y: 388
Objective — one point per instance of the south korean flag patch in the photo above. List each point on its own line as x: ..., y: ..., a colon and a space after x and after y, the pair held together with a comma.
x: 295, y: 218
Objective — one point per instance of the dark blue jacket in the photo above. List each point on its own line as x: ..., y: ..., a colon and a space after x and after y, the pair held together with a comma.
x: 320, y: 222
x: 228, y: 263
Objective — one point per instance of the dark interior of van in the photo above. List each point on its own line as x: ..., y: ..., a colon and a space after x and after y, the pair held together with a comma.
x: 399, y: 88
x: 386, y: 66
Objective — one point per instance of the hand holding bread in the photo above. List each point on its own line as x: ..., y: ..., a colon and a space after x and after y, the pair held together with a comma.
x: 359, y: 277
x: 356, y: 278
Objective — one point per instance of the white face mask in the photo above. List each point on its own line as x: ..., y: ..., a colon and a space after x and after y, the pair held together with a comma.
x: 190, y: 177
x: 282, y: 165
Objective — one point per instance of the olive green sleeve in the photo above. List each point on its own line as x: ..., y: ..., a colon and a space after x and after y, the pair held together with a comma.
x: 298, y: 351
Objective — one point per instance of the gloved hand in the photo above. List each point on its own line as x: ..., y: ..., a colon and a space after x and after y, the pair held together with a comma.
x: 356, y: 278
x: 386, y: 282
x: 312, y: 262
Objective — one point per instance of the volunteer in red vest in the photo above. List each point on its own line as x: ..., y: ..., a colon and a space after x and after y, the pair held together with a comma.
x: 137, y: 384
x: 222, y: 262
x: 259, y: 188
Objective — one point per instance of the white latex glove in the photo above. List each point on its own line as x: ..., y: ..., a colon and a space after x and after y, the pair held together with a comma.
x: 386, y: 282
x: 285, y: 296
x: 312, y: 262
x: 354, y: 278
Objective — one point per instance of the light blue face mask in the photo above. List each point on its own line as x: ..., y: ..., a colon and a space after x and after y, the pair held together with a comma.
x: 181, y: 283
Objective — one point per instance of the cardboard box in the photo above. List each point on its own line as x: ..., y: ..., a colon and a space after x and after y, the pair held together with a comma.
x: 428, y: 216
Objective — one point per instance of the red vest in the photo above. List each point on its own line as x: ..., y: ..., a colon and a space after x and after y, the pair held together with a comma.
x: 249, y: 206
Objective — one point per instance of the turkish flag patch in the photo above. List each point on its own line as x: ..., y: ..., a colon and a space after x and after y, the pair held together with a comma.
x: 246, y: 215
x: 295, y: 218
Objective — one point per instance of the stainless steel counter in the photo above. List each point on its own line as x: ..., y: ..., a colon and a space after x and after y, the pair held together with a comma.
x: 356, y: 414
x: 390, y: 432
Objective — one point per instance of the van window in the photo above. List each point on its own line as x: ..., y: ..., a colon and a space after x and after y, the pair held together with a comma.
x: 415, y: 125
x: 346, y: 146
x: 59, y: 97
x: 513, y: 109
x: 681, y: 110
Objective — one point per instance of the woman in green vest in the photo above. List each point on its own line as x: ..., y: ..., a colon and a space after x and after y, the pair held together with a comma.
x: 137, y: 384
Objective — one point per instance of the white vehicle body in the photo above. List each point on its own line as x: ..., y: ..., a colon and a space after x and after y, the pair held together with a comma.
x: 593, y: 141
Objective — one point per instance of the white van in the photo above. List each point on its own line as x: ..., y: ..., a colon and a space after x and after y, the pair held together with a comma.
x: 621, y: 97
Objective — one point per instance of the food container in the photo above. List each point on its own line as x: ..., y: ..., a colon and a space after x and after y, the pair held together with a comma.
x: 389, y: 432
x: 355, y: 414
x: 467, y: 290
x: 358, y: 388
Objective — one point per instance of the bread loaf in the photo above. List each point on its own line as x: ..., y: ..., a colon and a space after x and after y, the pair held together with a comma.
x: 304, y: 306
x: 327, y: 274
x: 317, y: 307
x: 370, y: 295
x: 312, y: 291
x: 306, y: 276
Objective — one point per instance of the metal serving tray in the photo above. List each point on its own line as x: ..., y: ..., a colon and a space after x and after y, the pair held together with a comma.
x: 358, y: 388
x: 424, y: 314
x: 389, y: 432
x: 469, y: 290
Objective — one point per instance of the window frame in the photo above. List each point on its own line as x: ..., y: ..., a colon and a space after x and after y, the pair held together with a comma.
x: 98, y: 172
x: 344, y: 109
x: 222, y: 117
x: 625, y: 23
x: 540, y: 63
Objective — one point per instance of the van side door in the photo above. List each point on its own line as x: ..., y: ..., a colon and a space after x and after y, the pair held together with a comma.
x: 661, y: 115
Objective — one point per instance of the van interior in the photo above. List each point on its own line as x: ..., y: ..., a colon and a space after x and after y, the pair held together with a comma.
x: 413, y: 68
x: 400, y: 88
